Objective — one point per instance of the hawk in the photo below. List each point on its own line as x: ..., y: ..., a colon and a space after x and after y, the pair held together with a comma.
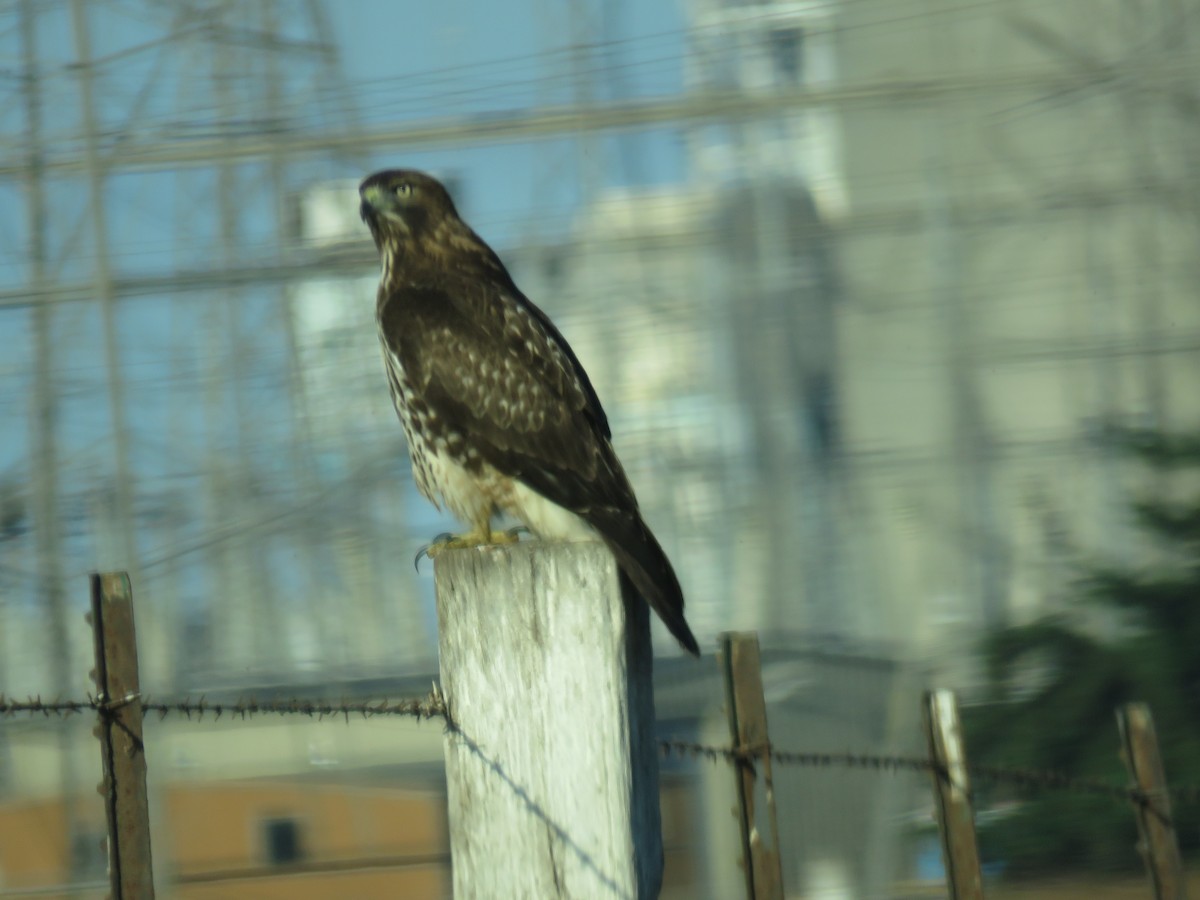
x: 499, y: 414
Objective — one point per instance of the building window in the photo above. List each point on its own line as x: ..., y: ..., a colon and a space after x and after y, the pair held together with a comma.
x: 283, y: 841
x: 787, y: 51
x: 89, y: 852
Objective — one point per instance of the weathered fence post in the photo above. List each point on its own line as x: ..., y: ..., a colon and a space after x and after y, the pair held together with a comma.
x: 956, y: 818
x: 1159, y: 846
x: 551, y: 752
x: 120, y: 733
x: 741, y: 667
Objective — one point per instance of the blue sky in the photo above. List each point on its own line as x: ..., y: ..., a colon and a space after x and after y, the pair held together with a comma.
x: 398, y: 62
x: 484, y: 57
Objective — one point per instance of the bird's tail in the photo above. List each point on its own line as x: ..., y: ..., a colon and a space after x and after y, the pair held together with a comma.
x: 645, y: 565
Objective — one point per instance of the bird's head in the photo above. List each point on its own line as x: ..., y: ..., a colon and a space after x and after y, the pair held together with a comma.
x: 403, y: 206
x: 417, y: 229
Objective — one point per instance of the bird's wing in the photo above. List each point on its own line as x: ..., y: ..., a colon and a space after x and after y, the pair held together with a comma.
x: 485, y: 362
x: 502, y: 382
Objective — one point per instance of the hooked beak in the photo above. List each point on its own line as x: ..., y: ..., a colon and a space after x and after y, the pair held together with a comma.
x: 373, y: 200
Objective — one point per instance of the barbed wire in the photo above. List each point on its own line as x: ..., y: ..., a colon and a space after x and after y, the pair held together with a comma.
x: 434, y: 706
x: 848, y: 760
x: 1025, y: 779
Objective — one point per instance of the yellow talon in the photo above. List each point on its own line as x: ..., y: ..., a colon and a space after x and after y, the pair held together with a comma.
x: 447, y: 541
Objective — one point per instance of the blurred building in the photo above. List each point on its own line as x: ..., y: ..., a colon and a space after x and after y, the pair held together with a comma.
x: 906, y: 313
x: 281, y: 838
x: 291, y: 806
x: 764, y: 49
x: 257, y: 807
x: 906, y: 381
x: 1021, y: 270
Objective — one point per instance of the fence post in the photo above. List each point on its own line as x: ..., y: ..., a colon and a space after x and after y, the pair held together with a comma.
x: 1158, y: 845
x: 741, y: 668
x: 551, y: 752
x: 120, y: 732
x: 956, y: 819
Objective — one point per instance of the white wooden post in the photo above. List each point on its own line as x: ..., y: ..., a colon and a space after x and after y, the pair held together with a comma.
x: 551, y: 754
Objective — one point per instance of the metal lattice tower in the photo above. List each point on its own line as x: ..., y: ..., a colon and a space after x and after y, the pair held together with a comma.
x: 159, y: 294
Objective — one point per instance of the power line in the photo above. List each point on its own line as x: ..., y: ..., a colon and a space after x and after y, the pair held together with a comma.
x: 359, y: 260
x: 524, y: 125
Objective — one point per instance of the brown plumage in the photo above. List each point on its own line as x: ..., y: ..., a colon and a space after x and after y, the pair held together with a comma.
x: 498, y: 412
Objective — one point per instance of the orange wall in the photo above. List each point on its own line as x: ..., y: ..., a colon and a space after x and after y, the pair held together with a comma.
x: 33, y: 839
x: 413, y: 883
x: 220, y: 825
x: 357, y: 841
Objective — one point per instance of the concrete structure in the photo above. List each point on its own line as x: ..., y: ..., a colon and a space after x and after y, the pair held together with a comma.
x: 290, y: 806
x: 246, y: 808
x: 233, y: 839
x: 1021, y: 268
x: 1004, y: 271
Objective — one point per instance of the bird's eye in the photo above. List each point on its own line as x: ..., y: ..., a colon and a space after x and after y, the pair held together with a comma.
x: 403, y: 189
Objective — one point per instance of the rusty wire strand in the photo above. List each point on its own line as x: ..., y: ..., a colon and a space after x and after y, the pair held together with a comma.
x: 1025, y: 779
x: 429, y: 707
x: 433, y: 706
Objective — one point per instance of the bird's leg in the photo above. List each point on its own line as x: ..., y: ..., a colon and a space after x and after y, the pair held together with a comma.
x: 478, y: 536
x: 432, y: 548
